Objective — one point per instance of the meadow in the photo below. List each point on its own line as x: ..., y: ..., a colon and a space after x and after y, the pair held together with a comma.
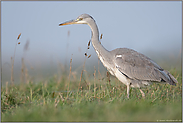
x: 87, y: 97
x: 90, y: 98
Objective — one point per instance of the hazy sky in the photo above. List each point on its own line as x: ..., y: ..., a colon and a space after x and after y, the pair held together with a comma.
x: 145, y: 26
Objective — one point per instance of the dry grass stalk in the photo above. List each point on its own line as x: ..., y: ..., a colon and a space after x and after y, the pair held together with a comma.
x: 82, y: 71
x: 69, y: 77
x: 108, y: 78
x: 18, y: 36
x: 12, y: 61
x: 26, y: 46
x: 99, y: 74
x: 68, y: 33
x: 94, y: 74
x: 7, y: 87
x: 12, y: 67
x: 74, y: 75
x: 101, y: 36
x: 80, y: 79
x: 67, y: 47
x: 86, y: 54
x: 26, y: 75
x: 89, y: 56
x: 60, y: 94
x: 57, y: 100
x: 85, y: 82
x: 23, y: 71
x: 89, y: 44
x: 61, y: 68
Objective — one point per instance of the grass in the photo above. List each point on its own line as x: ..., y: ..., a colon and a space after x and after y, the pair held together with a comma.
x: 94, y: 100
x: 88, y: 97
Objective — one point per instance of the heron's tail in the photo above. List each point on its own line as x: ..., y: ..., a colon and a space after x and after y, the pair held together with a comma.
x: 172, y: 81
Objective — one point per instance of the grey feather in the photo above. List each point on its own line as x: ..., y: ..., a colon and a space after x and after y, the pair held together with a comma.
x: 140, y: 67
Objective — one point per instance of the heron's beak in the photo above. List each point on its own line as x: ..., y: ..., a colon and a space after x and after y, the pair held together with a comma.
x: 68, y: 22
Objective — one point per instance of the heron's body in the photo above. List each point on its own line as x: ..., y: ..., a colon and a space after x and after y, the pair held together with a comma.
x: 130, y: 67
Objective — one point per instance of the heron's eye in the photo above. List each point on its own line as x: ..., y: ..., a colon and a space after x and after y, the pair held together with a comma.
x: 79, y: 19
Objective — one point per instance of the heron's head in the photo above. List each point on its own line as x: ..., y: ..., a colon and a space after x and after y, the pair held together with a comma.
x: 82, y: 19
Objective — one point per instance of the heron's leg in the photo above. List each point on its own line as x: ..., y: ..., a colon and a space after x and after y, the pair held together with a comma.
x: 128, y: 90
x: 143, y: 94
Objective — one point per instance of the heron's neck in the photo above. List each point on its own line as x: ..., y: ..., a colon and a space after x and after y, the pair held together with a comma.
x: 95, y: 40
x: 103, y: 54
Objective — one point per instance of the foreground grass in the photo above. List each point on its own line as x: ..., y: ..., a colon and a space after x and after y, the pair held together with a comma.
x: 90, y: 100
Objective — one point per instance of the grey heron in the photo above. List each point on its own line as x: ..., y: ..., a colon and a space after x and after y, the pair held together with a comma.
x: 129, y: 66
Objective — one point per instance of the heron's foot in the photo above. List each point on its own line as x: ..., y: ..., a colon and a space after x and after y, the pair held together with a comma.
x: 143, y: 94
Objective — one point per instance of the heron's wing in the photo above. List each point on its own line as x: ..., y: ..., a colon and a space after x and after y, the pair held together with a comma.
x: 137, y: 66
